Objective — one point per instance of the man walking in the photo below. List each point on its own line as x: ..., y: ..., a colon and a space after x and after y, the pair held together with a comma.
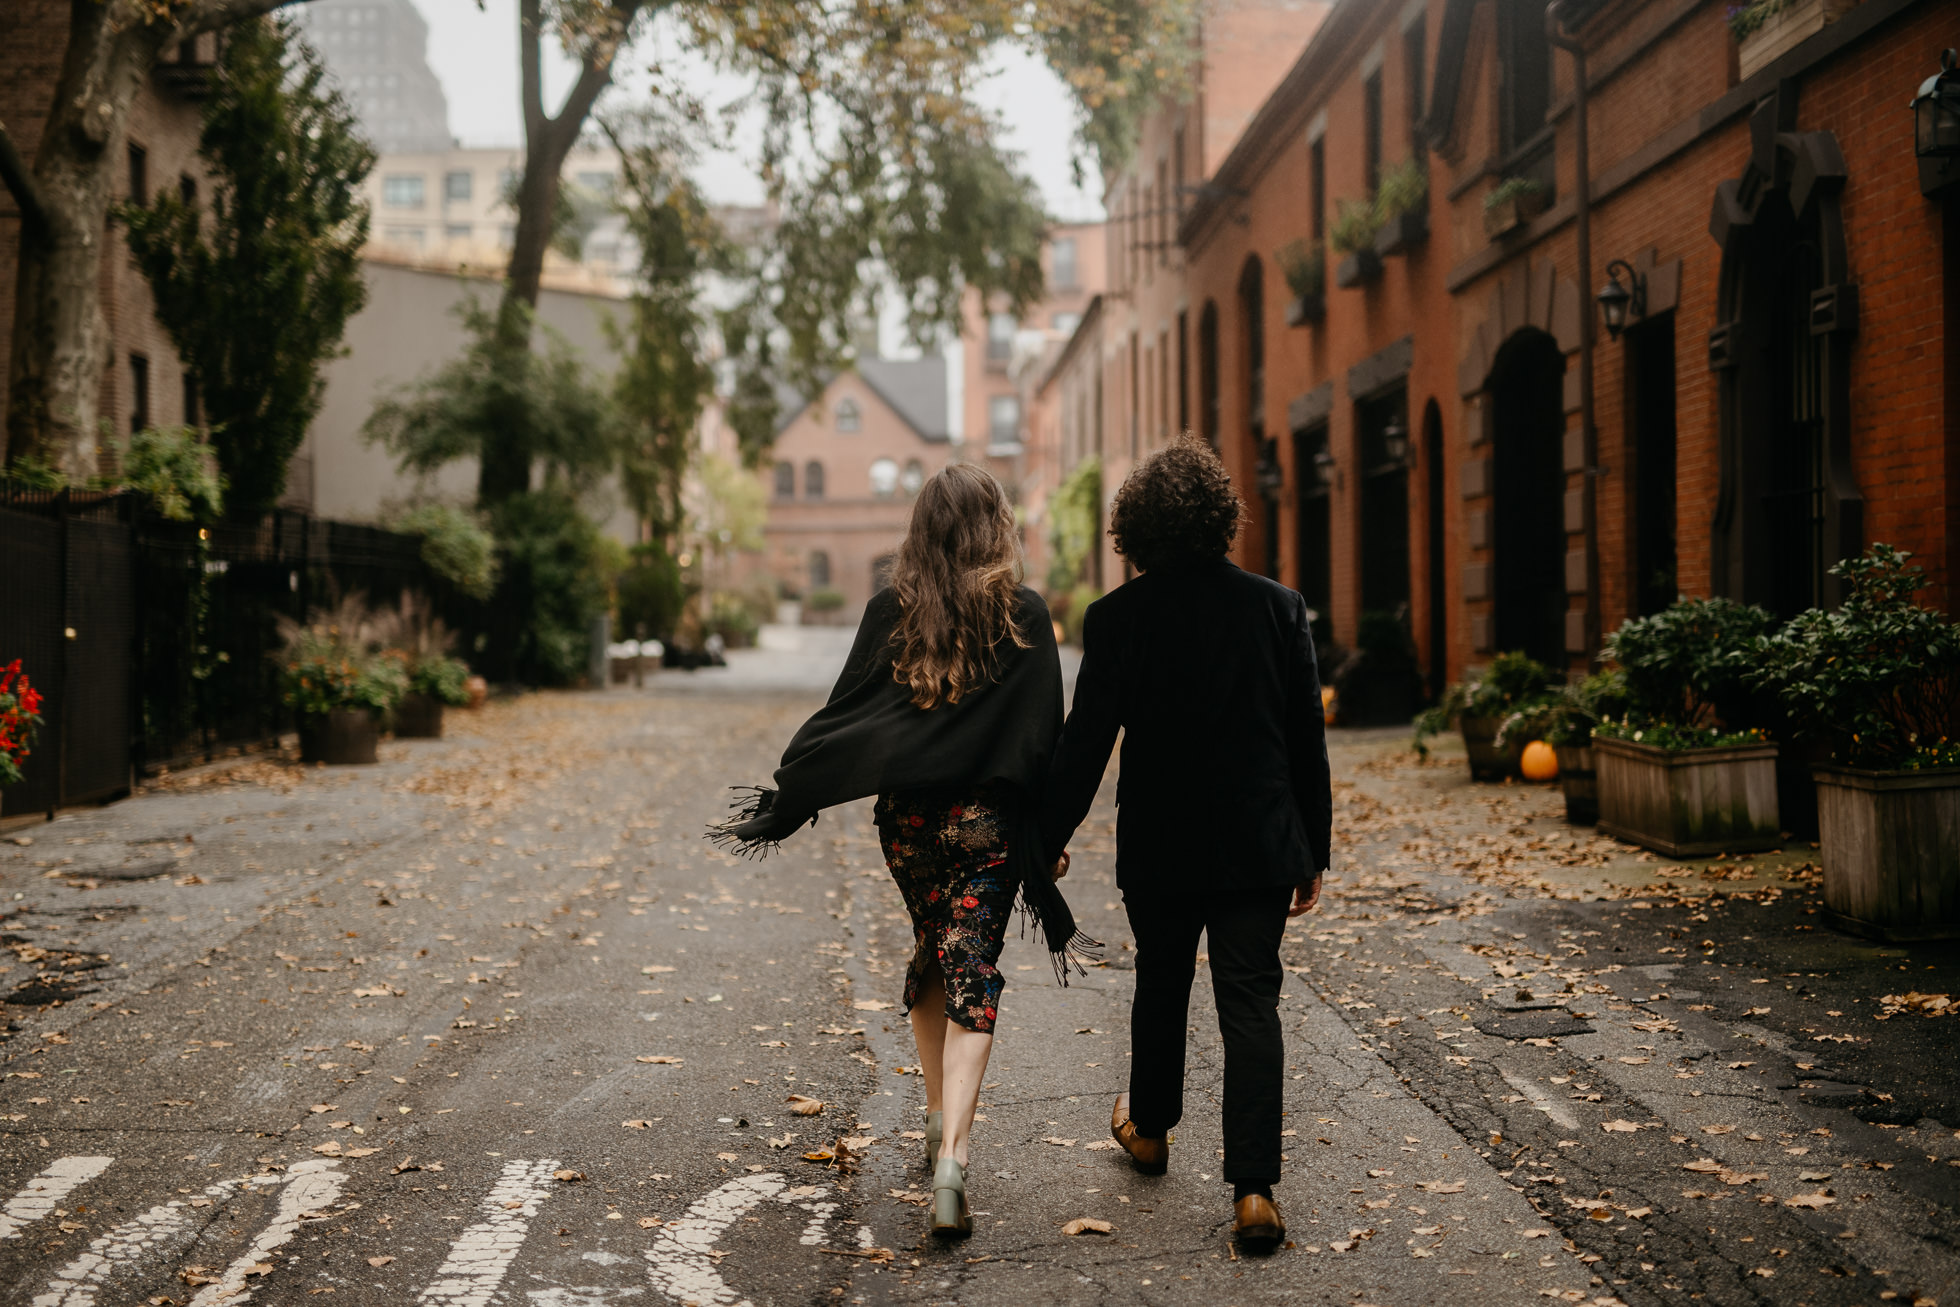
x: 1224, y: 804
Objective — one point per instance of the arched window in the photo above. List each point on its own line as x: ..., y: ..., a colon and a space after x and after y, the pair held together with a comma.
x: 913, y: 477
x: 884, y: 478
x: 819, y: 570
x: 813, y: 480
x: 849, y: 419
x: 1208, y: 374
x: 785, y: 481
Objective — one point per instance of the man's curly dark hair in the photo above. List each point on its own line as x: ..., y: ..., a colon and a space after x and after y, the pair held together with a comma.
x: 1178, y: 506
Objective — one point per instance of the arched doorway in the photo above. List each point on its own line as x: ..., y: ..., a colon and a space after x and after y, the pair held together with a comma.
x: 1526, y: 392
x: 1788, y: 507
x: 1435, y: 591
x: 1208, y: 373
x: 1313, y: 526
x: 1382, y: 423
x: 1263, y: 452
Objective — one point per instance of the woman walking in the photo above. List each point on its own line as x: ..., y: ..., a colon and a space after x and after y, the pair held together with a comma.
x: 948, y: 710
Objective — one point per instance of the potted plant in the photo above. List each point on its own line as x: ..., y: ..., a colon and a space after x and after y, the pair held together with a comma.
x: 1566, y: 721
x: 1305, y: 270
x: 1876, y: 681
x: 340, y: 685
x: 1402, y: 207
x: 1511, y: 204
x: 20, y: 720
x: 435, y: 676
x: 1685, y: 771
x: 1513, y: 682
x: 1765, y: 29
x: 1353, y: 235
x: 822, y: 604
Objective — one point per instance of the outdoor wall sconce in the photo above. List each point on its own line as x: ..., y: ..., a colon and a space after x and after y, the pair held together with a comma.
x: 1936, y: 128
x: 1395, y: 442
x: 1324, y: 467
x: 1271, y: 476
x: 1617, y: 302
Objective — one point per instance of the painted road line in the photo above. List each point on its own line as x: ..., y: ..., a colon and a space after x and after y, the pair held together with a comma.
x: 47, y: 1189
x: 311, y: 1187
x: 159, y: 1230
x: 482, y: 1254
x: 681, y: 1265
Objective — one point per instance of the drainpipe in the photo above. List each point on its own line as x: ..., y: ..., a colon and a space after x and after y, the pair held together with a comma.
x: 1588, y: 435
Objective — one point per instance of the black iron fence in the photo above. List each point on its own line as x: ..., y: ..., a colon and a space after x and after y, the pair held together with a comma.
x: 153, y: 639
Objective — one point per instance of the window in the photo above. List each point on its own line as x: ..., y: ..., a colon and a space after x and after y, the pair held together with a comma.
x: 1415, y: 64
x: 1065, y: 323
x: 1003, y: 420
x: 1163, y: 214
x: 599, y: 183
x: 884, y: 478
x: 139, y: 392
x: 1183, y: 366
x: 819, y: 568
x: 785, y: 480
x: 1146, y: 232
x: 187, y: 190
x: 849, y: 418
x: 139, y: 174
x: 1371, y: 130
x: 1062, y: 269
x: 1164, y: 384
x: 1525, y: 89
x: 913, y: 477
x: 1000, y: 336
x: 456, y: 186
x: 1177, y: 173
x: 1317, y: 187
x: 190, y: 400
x: 409, y: 236
x: 456, y: 231
x: 402, y: 191
x: 813, y: 480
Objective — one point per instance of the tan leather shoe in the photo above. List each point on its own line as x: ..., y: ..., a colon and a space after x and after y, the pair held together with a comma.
x: 1152, y: 1156
x: 1256, y: 1224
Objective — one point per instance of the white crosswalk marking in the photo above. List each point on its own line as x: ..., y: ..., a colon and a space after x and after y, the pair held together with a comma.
x: 311, y: 1186
x: 47, y: 1189
x: 154, y: 1232
x: 482, y: 1254
x: 679, y: 1263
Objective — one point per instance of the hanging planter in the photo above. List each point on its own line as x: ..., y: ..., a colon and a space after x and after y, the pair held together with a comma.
x: 1767, y: 29
x: 1402, y: 208
x: 1511, y: 204
x: 1305, y: 270
x: 1353, y: 236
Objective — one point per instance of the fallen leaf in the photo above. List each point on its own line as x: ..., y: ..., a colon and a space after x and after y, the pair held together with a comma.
x: 661, y: 1061
x: 635, y: 1125
x: 1813, y: 1175
x: 1809, y: 1200
x: 729, y: 1157
x: 318, y: 1108
x: 1704, y: 1165
x: 872, y: 1005
x: 783, y: 1142
x: 803, y: 1106
x: 648, y: 1222
x: 1718, y: 1129
x: 568, y: 1176
x: 1618, y: 1127
x: 1440, y: 1186
x: 1087, y: 1225
x: 655, y: 970
x: 1535, y: 1234
x: 1101, y: 1145
x: 1636, y: 1061
x: 379, y: 1261
x: 1059, y: 1143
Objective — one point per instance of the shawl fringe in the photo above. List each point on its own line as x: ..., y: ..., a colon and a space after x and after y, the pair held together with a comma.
x: 751, y: 803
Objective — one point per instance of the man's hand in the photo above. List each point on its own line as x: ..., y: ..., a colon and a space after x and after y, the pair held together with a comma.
x: 1060, y: 868
x: 1306, y: 896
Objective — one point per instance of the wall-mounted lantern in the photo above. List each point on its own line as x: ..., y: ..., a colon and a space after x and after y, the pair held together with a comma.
x: 1617, y: 303
x: 1395, y: 442
x: 1271, y: 476
x: 1324, y: 467
x: 1936, y: 128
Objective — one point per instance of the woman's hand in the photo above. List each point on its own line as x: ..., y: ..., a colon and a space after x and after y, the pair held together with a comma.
x: 1306, y: 896
x: 1060, y: 868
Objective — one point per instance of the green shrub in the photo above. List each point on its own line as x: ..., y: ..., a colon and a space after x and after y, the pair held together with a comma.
x: 731, y: 617
x: 1681, y: 664
x: 550, y: 589
x: 824, y: 601
x: 174, y: 470
x: 1355, y: 225
x: 321, y: 671
x: 1380, y: 682
x: 1304, y: 266
x: 1404, y: 188
x: 1569, y: 715
x: 1523, y: 189
x: 1514, y: 681
x: 1878, y: 679
x: 441, y: 677
x: 1077, y: 609
x: 455, y: 545
x: 1074, y: 511
x: 651, y: 594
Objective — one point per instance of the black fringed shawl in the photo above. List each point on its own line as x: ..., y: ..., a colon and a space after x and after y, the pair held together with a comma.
x: 871, y: 739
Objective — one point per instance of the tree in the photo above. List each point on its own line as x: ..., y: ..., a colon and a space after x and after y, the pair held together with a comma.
x: 55, y: 370
x: 257, y: 298
x: 905, y: 176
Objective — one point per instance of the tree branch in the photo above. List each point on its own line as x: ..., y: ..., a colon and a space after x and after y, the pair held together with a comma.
x: 211, y: 15
x: 530, y: 37
x: 20, y: 182
x: 597, y: 67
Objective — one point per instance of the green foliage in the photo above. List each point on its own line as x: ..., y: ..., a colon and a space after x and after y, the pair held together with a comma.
x: 1512, y: 681
x: 455, y: 544
x: 1304, y: 267
x: 256, y: 295
x: 1074, y: 512
x: 442, y: 678
x: 1681, y: 666
x: 550, y: 589
x: 1354, y: 227
x: 727, y: 508
x: 543, y: 406
x: 1879, y: 678
x: 1745, y: 20
x: 1567, y: 716
x: 737, y: 615
x: 1074, y: 607
x: 325, y: 666
x: 1668, y: 735
x: 650, y: 595
x: 1523, y: 189
x: 1404, y: 188
x: 824, y: 601
x: 172, y: 468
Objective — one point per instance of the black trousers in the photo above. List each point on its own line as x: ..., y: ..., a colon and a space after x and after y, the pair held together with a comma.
x: 1243, y: 930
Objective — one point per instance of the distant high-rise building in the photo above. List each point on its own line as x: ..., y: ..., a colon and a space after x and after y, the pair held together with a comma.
x: 377, y: 50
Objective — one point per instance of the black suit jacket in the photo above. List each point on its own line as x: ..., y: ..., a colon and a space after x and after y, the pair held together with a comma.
x: 1209, y: 672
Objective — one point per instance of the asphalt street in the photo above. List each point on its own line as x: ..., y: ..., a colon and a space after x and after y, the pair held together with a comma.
x: 490, y: 1023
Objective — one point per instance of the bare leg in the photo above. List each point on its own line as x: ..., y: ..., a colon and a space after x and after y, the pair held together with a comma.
x: 965, y: 1066
x: 929, y: 1033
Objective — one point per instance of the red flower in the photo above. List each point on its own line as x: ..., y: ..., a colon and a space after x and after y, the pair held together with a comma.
x: 990, y: 1014
x: 957, y: 812
x: 916, y: 820
x: 969, y: 902
x: 932, y: 896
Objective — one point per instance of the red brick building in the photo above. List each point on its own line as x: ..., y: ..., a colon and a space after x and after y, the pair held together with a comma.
x: 1787, y: 388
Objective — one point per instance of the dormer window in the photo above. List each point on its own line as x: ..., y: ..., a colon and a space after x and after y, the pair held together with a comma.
x: 849, y: 419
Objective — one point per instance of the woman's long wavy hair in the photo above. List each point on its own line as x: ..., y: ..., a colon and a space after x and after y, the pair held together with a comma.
x: 956, y: 579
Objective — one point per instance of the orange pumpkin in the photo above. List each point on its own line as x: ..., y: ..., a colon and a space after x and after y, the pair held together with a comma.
x: 1540, y: 762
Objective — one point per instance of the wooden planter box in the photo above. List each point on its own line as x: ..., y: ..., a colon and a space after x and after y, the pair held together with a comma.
x: 1358, y: 269
x: 1501, y: 220
x: 1891, y: 843
x: 1787, y: 28
x: 1487, y: 761
x: 1688, y: 803
x: 1579, y: 780
x: 1305, y: 310
x: 344, y: 736
x: 1402, y: 233
x: 418, y: 717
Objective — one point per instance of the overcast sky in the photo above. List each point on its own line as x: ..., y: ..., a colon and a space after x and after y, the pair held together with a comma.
x: 474, y: 53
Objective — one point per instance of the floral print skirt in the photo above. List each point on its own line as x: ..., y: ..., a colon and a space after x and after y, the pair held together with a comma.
x: 948, y: 853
